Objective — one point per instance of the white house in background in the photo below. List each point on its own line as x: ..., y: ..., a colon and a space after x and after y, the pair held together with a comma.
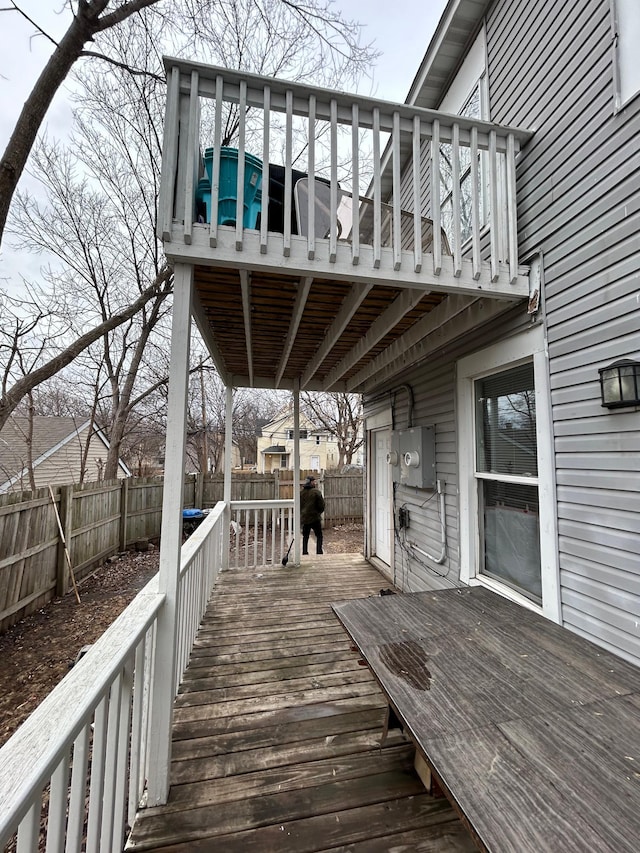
x: 61, y: 448
x: 318, y: 448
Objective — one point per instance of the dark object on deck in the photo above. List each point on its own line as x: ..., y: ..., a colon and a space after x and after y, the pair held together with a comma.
x: 191, y: 519
x: 285, y: 559
x: 387, y: 592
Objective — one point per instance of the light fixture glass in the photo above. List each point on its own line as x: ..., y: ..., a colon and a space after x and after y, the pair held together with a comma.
x: 620, y: 384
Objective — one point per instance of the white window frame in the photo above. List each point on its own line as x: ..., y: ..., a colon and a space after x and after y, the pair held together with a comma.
x: 472, y: 75
x: 524, y: 347
x: 625, y: 26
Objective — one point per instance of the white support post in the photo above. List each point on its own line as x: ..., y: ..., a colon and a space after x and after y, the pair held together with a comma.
x: 228, y: 454
x: 170, y: 540
x: 297, y: 522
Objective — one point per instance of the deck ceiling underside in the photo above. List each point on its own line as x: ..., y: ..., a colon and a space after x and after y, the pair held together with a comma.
x: 272, y: 303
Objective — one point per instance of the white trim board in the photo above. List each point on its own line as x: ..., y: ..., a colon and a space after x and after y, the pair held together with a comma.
x: 529, y: 345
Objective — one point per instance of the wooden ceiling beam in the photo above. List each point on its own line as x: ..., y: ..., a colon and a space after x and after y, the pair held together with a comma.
x: 296, y: 317
x: 430, y: 333
x: 205, y: 329
x: 352, y: 302
x: 388, y: 320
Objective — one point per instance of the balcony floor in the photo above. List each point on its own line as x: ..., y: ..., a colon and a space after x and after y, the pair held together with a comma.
x: 276, y: 742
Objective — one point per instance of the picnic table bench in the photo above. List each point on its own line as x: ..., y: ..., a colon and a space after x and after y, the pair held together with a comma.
x: 531, y: 731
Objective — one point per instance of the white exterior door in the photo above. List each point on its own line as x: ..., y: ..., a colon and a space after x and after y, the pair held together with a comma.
x: 381, y: 510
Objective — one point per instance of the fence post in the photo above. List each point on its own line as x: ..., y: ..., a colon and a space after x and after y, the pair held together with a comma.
x: 124, y: 511
x: 62, y: 569
x: 276, y: 484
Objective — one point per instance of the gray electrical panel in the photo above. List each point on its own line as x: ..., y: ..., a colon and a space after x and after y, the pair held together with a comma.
x: 413, y: 457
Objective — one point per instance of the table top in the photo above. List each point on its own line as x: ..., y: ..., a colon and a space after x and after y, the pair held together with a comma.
x: 533, y: 732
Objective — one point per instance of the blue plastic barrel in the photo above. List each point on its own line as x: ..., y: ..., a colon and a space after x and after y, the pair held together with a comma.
x: 227, y: 196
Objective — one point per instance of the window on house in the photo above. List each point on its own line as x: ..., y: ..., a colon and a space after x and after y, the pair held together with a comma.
x: 626, y: 37
x: 304, y: 433
x: 507, y: 479
x: 505, y: 456
x: 317, y: 439
x: 471, y: 109
x: 284, y: 460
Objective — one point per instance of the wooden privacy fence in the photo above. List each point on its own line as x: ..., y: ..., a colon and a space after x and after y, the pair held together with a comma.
x: 101, y: 519
x: 343, y: 493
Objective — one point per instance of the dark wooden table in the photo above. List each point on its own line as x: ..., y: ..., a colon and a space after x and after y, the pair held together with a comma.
x: 532, y: 732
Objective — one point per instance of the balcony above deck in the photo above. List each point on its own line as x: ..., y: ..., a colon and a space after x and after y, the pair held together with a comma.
x: 325, y: 272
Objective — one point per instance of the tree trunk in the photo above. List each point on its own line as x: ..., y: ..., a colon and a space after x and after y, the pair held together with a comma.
x: 35, y: 108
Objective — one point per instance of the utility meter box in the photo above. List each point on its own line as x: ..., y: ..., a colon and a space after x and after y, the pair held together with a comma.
x: 413, y: 457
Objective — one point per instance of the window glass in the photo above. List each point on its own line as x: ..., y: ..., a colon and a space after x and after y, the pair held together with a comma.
x: 471, y: 109
x: 506, y: 450
x: 506, y: 423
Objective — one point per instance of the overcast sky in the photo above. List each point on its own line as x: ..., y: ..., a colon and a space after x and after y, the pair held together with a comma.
x: 400, y: 31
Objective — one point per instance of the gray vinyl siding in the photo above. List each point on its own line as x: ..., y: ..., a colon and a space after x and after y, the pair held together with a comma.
x: 578, y: 184
x: 433, y: 383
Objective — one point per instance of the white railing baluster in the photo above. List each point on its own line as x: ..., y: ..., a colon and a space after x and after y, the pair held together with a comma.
x: 29, y: 831
x: 475, y: 204
x: 96, y: 783
x: 191, y: 176
x: 456, y: 196
x: 494, y: 212
x: 274, y: 521
x: 215, y: 163
x: 264, y: 210
x: 169, y: 156
x: 397, y: 205
x: 311, y: 183
x: 242, y: 120
x: 355, y: 185
x: 512, y: 223
x: 256, y: 536
x: 417, y: 196
x: 121, y: 775
x: 377, y: 190
x: 288, y: 181
x: 111, y: 764
x: 137, y: 724
x: 436, y: 214
x: 57, y: 813
x: 333, y: 195
x: 78, y: 791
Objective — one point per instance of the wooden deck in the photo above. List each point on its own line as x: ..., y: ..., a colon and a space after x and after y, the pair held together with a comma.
x: 531, y: 730
x: 277, y: 732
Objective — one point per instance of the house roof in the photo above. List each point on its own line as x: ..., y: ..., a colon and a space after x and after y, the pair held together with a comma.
x: 49, y: 435
x: 275, y: 448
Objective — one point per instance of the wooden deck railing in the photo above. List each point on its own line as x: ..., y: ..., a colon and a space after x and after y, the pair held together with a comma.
x: 383, y: 169
x: 73, y: 774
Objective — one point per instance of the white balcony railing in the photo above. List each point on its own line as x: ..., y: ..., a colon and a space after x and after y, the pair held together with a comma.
x: 261, y: 532
x: 385, y: 185
x: 73, y: 775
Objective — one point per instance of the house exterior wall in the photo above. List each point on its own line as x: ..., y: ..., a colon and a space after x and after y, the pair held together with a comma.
x: 550, y: 69
x: 314, y: 454
x: 579, y: 204
x: 63, y: 467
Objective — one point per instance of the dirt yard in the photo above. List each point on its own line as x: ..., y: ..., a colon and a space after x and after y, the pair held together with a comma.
x: 38, y: 651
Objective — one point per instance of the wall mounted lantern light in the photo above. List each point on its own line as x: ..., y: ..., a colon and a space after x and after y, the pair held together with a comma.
x: 620, y: 384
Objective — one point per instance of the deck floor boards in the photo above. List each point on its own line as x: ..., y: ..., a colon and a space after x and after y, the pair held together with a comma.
x: 277, y: 729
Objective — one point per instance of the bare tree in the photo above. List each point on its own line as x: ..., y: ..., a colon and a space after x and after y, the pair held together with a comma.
x: 90, y: 19
x: 341, y: 415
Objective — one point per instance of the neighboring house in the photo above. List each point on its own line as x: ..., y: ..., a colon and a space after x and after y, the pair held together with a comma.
x: 318, y: 449
x: 58, y: 446
x: 491, y: 458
